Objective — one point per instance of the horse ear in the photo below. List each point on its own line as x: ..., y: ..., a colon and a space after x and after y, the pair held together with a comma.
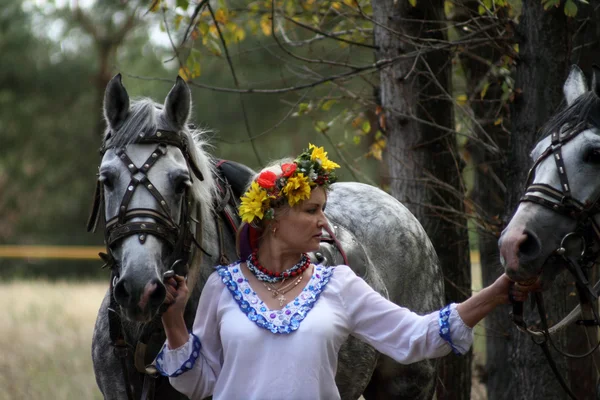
x: 596, y: 79
x: 116, y: 103
x: 178, y: 104
x: 575, y: 85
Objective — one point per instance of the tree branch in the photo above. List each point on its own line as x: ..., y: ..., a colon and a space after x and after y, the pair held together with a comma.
x: 237, y: 84
x: 320, y: 32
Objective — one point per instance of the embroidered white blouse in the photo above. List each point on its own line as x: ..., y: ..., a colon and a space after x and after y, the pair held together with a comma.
x: 239, y: 349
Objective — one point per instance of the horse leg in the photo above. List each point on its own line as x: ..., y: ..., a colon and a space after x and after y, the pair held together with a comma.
x: 356, y: 362
x: 107, y: 368
x: 391, y: 380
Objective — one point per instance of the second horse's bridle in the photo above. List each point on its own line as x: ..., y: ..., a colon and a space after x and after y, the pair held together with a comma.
x: 587, y: 231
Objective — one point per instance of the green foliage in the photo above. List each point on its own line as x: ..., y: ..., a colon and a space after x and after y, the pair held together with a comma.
x: 550, y: 3
x: 570, y: 8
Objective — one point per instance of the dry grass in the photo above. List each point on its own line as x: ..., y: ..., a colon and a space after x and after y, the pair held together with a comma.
x: 45, y: 340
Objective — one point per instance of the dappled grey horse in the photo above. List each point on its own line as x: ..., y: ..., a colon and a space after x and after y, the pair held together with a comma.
x: 160, y: 197
x: 557, y: 223
x: 560, y: 206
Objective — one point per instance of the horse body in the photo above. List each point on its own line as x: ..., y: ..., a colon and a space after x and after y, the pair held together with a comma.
x: 398, y: 259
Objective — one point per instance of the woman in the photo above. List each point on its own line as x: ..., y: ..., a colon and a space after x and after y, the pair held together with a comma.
x: 270, y: 325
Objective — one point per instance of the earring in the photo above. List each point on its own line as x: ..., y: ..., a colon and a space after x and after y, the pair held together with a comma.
x: 274, y: 230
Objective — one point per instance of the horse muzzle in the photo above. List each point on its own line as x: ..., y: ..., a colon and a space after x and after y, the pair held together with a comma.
x: 139, y: 301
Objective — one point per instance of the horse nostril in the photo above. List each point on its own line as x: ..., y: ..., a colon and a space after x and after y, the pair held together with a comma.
x: 122, y: 293
x: 158, y: 295
x: 529, y: 247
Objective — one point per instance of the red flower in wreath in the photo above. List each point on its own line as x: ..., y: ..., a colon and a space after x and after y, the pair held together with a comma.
x: 267, y: 179
x: 288, y: 169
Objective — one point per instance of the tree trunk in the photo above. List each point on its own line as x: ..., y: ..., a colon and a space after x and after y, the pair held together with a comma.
x: 489, y: 187
x: 540, y: 73
x: 422, y: 156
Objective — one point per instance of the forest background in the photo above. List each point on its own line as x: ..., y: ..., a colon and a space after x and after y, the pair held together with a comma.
x: 436, y: 101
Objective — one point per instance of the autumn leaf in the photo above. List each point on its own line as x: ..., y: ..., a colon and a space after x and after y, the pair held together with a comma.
x: 178, y: 20
x: 461, y: 99
x: 376, y: 149
x: 327, y: 105
x: 155, y: 6
x: 184, y: 73
x: 366, y: 127
x: 484, y: 89
x: 321, y: 126
x: 220, y: 16
x: 265, y: 25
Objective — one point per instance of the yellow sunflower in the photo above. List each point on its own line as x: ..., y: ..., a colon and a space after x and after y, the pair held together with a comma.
x: 254, y: 203
x: 297, y: 189
x: 319, y: 154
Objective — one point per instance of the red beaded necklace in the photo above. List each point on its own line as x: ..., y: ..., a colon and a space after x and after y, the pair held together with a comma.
x: 296, y: 270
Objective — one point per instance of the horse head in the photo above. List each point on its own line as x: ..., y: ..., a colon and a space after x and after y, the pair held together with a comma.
x: 560, y: 211
x: 154, y: 180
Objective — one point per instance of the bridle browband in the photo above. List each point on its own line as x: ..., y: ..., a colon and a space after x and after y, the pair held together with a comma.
x: 562, y: 202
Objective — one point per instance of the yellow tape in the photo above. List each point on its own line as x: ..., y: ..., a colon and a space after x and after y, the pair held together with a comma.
x: 56, y: 252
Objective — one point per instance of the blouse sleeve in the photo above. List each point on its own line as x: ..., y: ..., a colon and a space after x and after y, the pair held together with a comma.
x: 193, y: 368
x: 396, y: 331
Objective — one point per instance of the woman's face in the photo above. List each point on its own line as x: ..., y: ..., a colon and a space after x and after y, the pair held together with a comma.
x: 299, y: 229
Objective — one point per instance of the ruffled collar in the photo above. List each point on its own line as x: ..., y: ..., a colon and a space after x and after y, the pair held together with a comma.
x: 283, y: 321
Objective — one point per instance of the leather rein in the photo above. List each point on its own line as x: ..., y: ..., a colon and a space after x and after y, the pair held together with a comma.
x: 586, y: 232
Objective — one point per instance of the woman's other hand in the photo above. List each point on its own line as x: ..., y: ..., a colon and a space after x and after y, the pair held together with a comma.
x: 506, y: 291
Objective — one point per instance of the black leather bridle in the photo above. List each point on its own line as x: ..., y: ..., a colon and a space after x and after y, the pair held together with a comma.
x: 178, y: 234
x: 586, y: 231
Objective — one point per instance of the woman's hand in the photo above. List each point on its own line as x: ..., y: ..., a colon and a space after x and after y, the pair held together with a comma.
x: 176, y: 298
x: 507, y: 291
x: 172, y: 318
x: 482, y: 303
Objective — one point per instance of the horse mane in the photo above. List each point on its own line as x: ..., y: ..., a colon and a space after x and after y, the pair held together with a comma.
x: 146, y: 115
x: 584, y: 111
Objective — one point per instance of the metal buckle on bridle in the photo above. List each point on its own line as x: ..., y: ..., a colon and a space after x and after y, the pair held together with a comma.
x: 562, y: 251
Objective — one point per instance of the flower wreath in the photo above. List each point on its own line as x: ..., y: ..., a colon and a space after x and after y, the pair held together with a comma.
x: 310, y: 169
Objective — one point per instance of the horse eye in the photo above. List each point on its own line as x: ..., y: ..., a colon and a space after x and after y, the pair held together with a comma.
x: 592, y: 156
x: 182, y: 182
x: 107, y: 180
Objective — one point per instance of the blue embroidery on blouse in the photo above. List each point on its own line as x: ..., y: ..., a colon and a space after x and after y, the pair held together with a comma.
x: 445, y: 327
x: 160, y: 359
x: 284, y: 321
